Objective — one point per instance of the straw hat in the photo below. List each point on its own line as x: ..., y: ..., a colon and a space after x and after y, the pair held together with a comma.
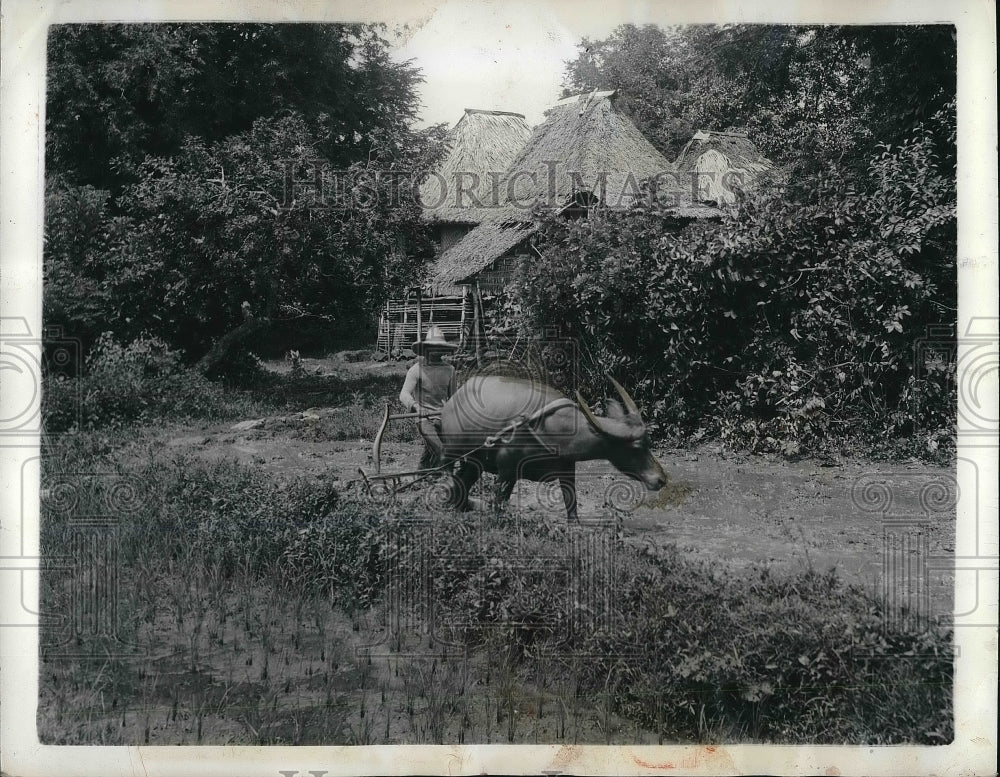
x: 433, y: 339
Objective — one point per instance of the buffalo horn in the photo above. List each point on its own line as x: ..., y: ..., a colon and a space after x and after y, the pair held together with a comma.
x: 627, y: 400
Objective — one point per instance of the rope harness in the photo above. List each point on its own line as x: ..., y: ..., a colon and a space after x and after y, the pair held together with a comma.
x: 522, y: 420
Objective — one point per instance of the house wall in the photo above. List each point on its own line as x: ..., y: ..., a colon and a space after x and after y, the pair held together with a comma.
x: 397, y: 328
x: 498, y: 275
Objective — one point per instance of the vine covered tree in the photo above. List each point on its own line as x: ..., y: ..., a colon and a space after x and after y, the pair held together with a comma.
x: 791, y: 321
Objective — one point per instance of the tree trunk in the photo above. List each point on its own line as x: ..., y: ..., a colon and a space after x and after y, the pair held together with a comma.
x: 211, y: 363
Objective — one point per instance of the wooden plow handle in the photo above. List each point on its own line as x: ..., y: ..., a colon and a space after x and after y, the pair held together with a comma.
x: 386, y: 418
x: 377, y: 446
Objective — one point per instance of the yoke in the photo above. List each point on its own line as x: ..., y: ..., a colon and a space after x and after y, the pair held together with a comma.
x: 522, y: 420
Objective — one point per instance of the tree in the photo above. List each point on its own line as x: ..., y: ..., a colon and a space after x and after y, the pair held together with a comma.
x: 81, y: 233
x: 119, y: 93
x: 170, y: 150
x: 667, y: 82
x: 241, y: 220
x: 808, y: 96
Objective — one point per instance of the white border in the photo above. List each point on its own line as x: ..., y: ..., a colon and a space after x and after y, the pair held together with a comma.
x: 24, y: 26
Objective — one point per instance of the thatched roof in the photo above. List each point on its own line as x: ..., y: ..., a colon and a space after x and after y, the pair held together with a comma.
x: 582, y: 141
x: 478, y: 250
x: 481, y: 144
x: 715, y: 153
x: 584, y: 145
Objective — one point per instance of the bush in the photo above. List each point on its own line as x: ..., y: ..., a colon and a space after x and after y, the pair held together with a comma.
x: 777, y: 658
x: 81, y: 232
x: 231, y: 517
x: 339, y: 554
x: 686, y: 648
x: 139, y: 382
x: 241, y: 519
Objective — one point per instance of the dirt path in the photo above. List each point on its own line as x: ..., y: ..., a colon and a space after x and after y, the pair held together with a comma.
x: 733, y: 510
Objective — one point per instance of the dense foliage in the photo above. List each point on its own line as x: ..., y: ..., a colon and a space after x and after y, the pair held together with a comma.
x: 144, y: 381
x: 782, y: 324
x: 118, y: 93
x: 216, y: 224
x: 182, y: 169
x: 808, y: 96
x: 795, y: 320
x: 684, y: 648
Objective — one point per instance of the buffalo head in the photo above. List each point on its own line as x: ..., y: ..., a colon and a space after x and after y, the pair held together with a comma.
x: 627, y: 444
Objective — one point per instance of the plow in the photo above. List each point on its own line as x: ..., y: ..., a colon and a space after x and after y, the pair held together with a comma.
x: 378, y: 483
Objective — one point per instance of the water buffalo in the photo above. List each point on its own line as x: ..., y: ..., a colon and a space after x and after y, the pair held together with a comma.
x: 561, y: 433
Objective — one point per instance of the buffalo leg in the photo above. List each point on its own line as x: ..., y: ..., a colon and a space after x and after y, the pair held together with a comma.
x: 506, y: 465
x: 567, y: 484
x: 505, y: 487
x: 462, y: 483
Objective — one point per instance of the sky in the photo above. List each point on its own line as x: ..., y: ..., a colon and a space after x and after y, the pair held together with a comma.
x: 497, y: 56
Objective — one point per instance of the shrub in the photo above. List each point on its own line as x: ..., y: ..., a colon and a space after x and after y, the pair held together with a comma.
x: 788, y: 324
x: 139, y: 382
x: 239, y: 517
x: 777, y: 658
x: 81, y: 231
x: 339, y: 554
x: 683, y: 647
x: 228, y: 516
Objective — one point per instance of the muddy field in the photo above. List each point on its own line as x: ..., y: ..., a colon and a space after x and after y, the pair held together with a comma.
x: 731, y: 510
x: 863, y: 519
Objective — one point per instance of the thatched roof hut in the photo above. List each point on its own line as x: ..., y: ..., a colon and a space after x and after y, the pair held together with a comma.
x: 481, y: 146
x: 723, y: 163
x: 584, y: 144
x: 584, y: 151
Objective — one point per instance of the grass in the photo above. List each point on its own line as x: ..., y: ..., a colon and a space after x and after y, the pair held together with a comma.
x: 145, y: 383
x: 248, y: 604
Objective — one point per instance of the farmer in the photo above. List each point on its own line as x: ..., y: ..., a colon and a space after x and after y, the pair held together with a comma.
x: 429, y: 384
